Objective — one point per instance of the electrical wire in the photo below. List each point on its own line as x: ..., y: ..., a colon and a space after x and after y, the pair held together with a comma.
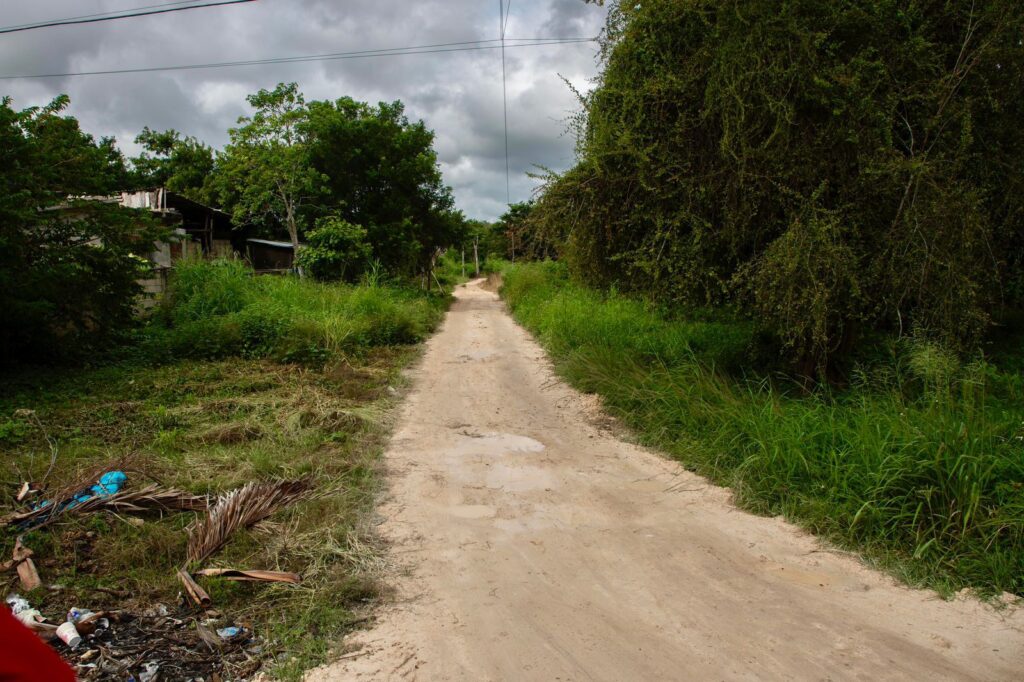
x: 337, y: 56
x: 504, y: 24
x: 504, y: 97
x: 110, y: 13
x: 98, y: 18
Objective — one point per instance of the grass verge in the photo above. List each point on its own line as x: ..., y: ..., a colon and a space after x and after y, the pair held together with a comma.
x: 229, y: 413
x: 918, y: 464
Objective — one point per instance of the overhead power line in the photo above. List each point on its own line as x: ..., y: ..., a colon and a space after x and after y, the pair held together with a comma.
x: 127, y: 14
x: 337, y: 56
x: 502, y: 19
x: 107, y: 14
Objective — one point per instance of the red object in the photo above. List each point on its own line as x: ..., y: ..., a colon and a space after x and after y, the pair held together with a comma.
x: 26, y: 658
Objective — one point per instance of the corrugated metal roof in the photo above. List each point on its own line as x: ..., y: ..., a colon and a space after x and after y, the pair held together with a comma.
x: 269, y: 242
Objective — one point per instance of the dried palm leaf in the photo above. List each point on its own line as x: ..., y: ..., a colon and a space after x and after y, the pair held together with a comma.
x: 148, y: 498
x: 241, y: 508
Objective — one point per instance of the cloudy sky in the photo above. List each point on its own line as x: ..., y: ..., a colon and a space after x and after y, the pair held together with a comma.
x: 457, y: 94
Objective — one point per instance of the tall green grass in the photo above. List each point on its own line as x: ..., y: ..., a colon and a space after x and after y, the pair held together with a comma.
x: 218, y: 309
x: 919, y: 463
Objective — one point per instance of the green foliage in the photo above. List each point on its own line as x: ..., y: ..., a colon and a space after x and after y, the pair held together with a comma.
x: 264, y: 173
x: 725, y: 140
x: 205, y: 289
x: 919, y: 464
x: 382, y: 173
x: 518, y: 239
x: 181, y: 164
x: 294, y: 163
x: 68, y: 268
x: 335, y: 250
x: 218, y: 309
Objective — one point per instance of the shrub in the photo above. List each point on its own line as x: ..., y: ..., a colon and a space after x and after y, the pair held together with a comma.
x: 69, y: 270
x: 335, y: 250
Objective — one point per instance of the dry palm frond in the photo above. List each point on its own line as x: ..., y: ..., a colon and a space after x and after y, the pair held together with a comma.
x: 148, y: 498
x: 241, y: 508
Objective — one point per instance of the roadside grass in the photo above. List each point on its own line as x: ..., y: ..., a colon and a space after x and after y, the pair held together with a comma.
x: 918, y: 464
x: 218, y: 309
x: 201, y: 406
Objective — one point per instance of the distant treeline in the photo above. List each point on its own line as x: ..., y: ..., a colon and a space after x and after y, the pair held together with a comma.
x: 834, y: 170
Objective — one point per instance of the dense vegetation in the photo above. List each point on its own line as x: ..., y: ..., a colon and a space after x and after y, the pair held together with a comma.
x: 67, y: 287
x: 218, y: 309
x: 359, y: 183
x: 833, y: 170
x: 293, y: 163
x: 919, y: 465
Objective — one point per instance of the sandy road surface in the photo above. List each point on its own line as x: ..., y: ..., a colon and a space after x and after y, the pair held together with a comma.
x: 534, y: 545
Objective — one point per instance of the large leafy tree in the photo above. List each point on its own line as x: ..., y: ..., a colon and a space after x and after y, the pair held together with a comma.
x: 265, y: 174
x: 68, y: 268
x: 382, y: 173
x: 180, y: 163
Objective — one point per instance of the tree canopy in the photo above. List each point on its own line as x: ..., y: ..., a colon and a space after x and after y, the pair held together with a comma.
x: 181, y: 164
x: 382, y: 173
x: 68, y: 268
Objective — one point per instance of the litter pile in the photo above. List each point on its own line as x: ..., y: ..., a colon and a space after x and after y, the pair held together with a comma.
x: 196, y: 642
x: 116, y: 645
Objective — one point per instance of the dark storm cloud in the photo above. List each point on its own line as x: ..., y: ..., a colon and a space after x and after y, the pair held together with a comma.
x: 457, y: 94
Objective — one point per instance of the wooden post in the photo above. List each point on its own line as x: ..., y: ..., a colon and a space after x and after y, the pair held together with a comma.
x: 463, y: 261
x: 476, y: 257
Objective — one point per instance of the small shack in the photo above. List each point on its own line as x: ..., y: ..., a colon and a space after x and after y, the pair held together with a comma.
x: 209, y: 228
x: 267, y: 256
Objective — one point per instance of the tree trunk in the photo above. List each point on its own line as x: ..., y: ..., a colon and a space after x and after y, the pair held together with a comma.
x: 293, y: 233
x: 476, y: 257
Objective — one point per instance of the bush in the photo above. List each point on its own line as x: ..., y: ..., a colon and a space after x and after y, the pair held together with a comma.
x: 335, y: 250
x: 203, y: 289
x: 69, y: 270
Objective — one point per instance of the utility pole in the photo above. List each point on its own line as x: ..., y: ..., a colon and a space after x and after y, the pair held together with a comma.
x: 476, y: 257
x: 463, y: 261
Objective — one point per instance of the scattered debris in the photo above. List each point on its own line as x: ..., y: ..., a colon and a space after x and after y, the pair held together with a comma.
x: 117, y: 645
x: 22, y: 561
x: 255, y: 575
x: 241, y: 508
x: 196, y: 593
x: 148, y: 498
x: 108, y: 645
x: 30, y: 617
x: 27, y: 488
x: 68, y: 633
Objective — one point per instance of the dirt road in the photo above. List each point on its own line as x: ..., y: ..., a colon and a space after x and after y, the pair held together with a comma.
x: 532, y: 544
